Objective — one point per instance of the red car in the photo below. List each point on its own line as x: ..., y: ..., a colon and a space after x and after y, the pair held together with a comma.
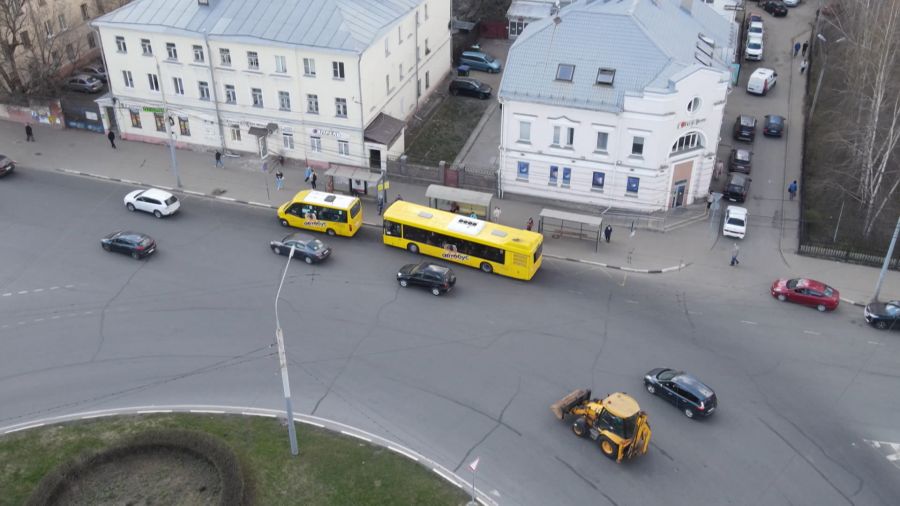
x: 807, y: 292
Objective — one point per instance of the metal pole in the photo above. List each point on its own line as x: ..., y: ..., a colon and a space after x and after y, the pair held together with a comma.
x: 812, y: 108
x: 169, y: 126
x: 214, y: 87
x: 282, y: 363
x: 887, y: 261
x: 473, y: 502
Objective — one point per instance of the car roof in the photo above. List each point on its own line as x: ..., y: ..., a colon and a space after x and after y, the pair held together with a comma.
x: 774, y: 118
x: 299, y: 237
x: 468, y: 80
x: 754, y: 37
x: 432, y: 267
x: 474, y: 53
x: 811, y: 283
x: 736, y: 178
x: 156, y: 193
x: 742, y: 154
x: 747, y: 120
x: 762, y: 72
x: 132, y: 234
x: 693, y: 385
x: 754, y: 22
x: 737, y: 211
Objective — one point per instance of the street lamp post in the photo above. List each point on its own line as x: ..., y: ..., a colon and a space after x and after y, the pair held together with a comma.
x: 282, y: 363
x: 887, y: 261
x: 812, y: 108
x: 169, y: 126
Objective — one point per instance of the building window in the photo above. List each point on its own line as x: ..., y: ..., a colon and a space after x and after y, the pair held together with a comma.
x: 637, y: 146
x: 62, y: 22
x: 126, y: 77
x: 252, y: 60
x: 337, y: 69
x: 284, y: 101
x: 634, y: 184
x: 427, y: 49
x: 315, y: 144
x: 183, y: 126
x: 230, y: 94
x: 309, y: 67
x: 84, y: 12
x: 400, y: 34
x: 427, y: 80
x: 564, y: 138
x: 567, y: 177
x: 154, y: 82
x: 525, y: 132
x: 687, y: 142
x: 522, y: 171
x: 426, y: 11
x: 602, y: 141
x: 280, y: 64
x: 120, y: 44
x: 171, y: 51
x: 146, y: 48
x: 91, y: 41
x: 312, y: 104
x: 235, y: 133
x: 204, y: 90
x: 225, y: 57
x: 598, y: 180
x: 160, y: 122
x: 48, y: 27
x: 256, y: 93
x: 135, y: 118
x: 199, y: 57
x: 340, y: 105
x: 288, y: 140
x: 70, y: 52
x: 565, y: 72
x: 26, y: 40
x: 694, y: 104
x: 554, y: 175
x: 179, y: 86
x: 344, y: 148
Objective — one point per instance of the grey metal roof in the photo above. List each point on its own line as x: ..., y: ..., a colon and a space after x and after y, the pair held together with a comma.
x: 647, y: 42
x: 350, y: 25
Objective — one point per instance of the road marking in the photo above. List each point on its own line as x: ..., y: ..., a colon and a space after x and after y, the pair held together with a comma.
x: 314, y: 424
x: 405, y: 454
x: 209, y: 411
x: 7, y: 294
x: 36, y: 320
x: 812, y: 332
x: 55, y: 317
x: 891, y: 451
x: 258, y: 204
x: 4, y: 327
x: 356, y: 436
x: 191, y: 192
x: 101, y: 415
x: 229, y: 199
x: 748, y: 322
x: 873, y: 342
x: 629, y: 301
x: 38, y: 290
x: 694, y: 312
x: 151, y: 411
x: 88, y: 312
x: 128, y: 181
x: 54, y: 288
x: 446, y: 477
x: 250, y: 413
x: 70, y: 286
x: 10, y: 431
x: 23, y: 292
x: 22, y: 323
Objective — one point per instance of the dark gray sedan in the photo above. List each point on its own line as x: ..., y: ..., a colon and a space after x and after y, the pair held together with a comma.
x: 7, y: 165
x: 136, y: 244
x: 682, y: 390
x: 307, y: 247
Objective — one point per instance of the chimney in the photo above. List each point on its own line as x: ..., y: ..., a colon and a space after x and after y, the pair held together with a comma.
x: 686, y: 5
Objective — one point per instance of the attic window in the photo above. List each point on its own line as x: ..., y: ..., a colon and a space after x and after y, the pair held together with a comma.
x: 203, y: 2
x: 565, y: 72
x: 605, y: 76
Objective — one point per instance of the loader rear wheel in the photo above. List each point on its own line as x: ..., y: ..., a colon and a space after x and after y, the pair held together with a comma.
x: 580, y: 427
x: 609, y: 448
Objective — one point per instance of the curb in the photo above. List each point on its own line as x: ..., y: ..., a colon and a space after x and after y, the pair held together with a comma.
x: 619, y: 268
x: 322, y: 423
x: 853, y: 302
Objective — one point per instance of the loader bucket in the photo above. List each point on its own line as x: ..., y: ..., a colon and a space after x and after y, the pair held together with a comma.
x: 561, y: 407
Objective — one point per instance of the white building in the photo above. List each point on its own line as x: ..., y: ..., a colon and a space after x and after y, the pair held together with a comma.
x: 523, y: 12
x: 331, y: 82
x: 616, y: 104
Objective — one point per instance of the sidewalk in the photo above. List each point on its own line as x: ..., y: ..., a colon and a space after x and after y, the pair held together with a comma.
x: 692, y: 247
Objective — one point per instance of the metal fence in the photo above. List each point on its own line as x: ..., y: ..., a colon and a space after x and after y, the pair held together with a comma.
x: 470, y: 178
x: 848, y: 255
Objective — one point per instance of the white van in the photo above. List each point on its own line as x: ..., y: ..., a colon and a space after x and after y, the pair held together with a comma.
x: 735, y: 224
x: 761, y: 81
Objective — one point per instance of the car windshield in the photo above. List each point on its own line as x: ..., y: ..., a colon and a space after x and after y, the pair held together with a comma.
x: 891, y: 309
x: 145, y: 241
x: 667, y: 375
x: 828, y: 291
x: 488, y: 58
x: 171, y: 200
x: 754, y: 45
x: 742, y: 156
x: 735, y: 188
x: 736, y: 222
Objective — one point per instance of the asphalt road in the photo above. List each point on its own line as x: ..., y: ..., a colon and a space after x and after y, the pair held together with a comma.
x: 470, y: 374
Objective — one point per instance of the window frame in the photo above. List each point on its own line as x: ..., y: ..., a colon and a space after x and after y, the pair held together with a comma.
x: 315, y: 144
x: 287, y: 140
x: 128, y: 79
x: 146, y: 47
x: 256, y: 97
x: 312, y: 99
x: 632, y: 185
x: 171, y: 51
x: 280, y: 64
x: 230, y: 94
x: 522, y: 170
x: 203, y: 90
x: 178, y: 85
x: 637, y: 153
x: 224, y: 56
x: 337, y: 70
x: 153, y: 80
x: 526, y: 139
x: 184, y: 126
x: 340, y: 103
x: 284, y: 100
x: 252, y: 60
x: 598, y: 180
x: 309, y: 67
x: 199, y: 53
x: 121, y: 45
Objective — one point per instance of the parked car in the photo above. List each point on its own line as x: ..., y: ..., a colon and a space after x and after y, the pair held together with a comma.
x: 761, y: 81
x: 754, y: 48
x: 756, y: 28
x: 470, y: 87
x: 774, y: 7
x: 741, y: 160
x: 157, y: 202
x: 773, y: 126
x: 745, y: 128
x: 883, y: 315
x: 735, y: 224
x: 478, y: 60
x: 84, y: 83
x: 307, y: 247
x: 437, y: 278
x: 791, y: 3
x: 7, y: 165
x: 754, y: 17
x: 94, y: 70
x: 690, y: 395
x: 807, y: 292
x: 737, y: 187
x: 136, y: 244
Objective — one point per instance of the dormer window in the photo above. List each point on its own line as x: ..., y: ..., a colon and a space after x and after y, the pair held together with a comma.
x: 606, y: 76
x: 565, y: 72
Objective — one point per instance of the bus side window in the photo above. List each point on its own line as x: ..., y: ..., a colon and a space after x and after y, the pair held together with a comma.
x: 391, y: 228
x: 326, y: 214
x: 414, y: 234
x: 355, y: 209
x: 340, y: 215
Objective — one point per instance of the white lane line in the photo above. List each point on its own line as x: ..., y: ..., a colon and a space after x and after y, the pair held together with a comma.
x: 873, y: 342
x: 307, y: 422
x: 694, y: 312
x: 748, y: 322
x: 812, y: 332
x: 629, y: 301
x: 70, y: 286
x: 4, y: 327
x: 258, y: 204
x: 37, y: 290
x: 356, y: 436
x: 151, y: 411
x: 72, y: 314
x: 55, y: 317
x: 88, y: 312
x: 21, y: 323
x: 101, y: 415
x: 36, y: 320
x: 7, y: 294
x: 405, y: 454
x: 209, y: 411
x: 250, y: 413
x: 191, y: 192
x: 54, y: 288
x: 24, y: 428
x: 23, y: 292
x: 229, y: 199
x: 128, y: 181
x: 445, y: 476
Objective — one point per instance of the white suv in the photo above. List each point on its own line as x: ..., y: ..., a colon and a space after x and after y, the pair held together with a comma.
x: 735, y: 222
x: 158, y: 202
x: 754, y: 48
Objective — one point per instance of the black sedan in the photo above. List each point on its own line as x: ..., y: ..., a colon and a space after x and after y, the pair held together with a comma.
x: 136, y: 244
x: 773, y: 126
x: 470, y: 87
x: 883, y: 315
x: 307, y: 247
x: 684, y: 391
x: 774, y: 7
x: 437, y: 278
x: 7, y: 165
x: 741, y: 160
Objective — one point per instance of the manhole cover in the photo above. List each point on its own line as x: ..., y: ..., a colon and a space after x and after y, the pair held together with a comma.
x: 219, y: 191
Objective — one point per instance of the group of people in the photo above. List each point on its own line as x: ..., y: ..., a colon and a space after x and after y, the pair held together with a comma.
x: 801, y: 49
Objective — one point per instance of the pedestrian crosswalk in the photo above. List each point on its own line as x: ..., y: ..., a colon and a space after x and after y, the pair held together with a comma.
x: 891, y: 451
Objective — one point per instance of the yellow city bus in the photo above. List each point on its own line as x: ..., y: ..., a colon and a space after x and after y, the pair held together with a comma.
x: 322, y: 212
x: 477, y: 243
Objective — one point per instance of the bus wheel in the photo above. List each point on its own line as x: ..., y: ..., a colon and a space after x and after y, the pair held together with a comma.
x: 330, y: 232
x: 284, y: 223
x: 413, y: 248
x: 486, y: 267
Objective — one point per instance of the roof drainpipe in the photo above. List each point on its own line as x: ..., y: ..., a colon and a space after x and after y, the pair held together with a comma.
x: 212, y: 84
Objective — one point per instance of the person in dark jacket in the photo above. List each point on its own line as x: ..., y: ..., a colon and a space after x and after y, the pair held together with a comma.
x: 29, y: 133
x: 112, y: 139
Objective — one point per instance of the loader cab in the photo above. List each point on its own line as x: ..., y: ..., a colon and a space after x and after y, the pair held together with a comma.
x: 619, y: 415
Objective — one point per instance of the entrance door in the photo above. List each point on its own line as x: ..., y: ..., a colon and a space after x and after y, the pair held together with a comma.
x: 678, y: 193
x: 375, y: 159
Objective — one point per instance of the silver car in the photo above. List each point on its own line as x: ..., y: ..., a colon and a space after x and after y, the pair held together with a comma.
x: 94, y: 70
x: 84, y: 83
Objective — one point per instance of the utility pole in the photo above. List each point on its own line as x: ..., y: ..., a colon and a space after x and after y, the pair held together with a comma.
x: 887, y: 261
x: 282, y: 363
x: 170, y: 126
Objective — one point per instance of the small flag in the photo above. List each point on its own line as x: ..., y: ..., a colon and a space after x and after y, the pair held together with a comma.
x: 474, y: 465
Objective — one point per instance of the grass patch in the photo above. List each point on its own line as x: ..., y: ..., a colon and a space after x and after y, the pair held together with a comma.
x: 330, y: 469
x: 445, y: 133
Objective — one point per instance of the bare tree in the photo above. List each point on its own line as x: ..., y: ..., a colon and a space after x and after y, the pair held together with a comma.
x: 12, y: 21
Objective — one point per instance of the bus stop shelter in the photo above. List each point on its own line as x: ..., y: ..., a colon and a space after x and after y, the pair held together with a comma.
x: 582, y: 226
x: 357, y: 179
x: 467, y: 201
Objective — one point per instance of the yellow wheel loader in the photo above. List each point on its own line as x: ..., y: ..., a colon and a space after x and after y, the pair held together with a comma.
x: 616, y: 422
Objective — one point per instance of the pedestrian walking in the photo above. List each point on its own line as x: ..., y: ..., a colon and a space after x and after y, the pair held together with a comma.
x: 796, y: 48
x: 734, y: 255
x: 29, y: 133
x: 792, y: 189
x: 279, y: 180
x: 308, y: 173
x: 312, y: 179
x: 720, y: 167
x: 804, y: 49
x: 112, y: 139
x: 496, y: 214
x: 607, y: 233
x: 219, y: 162
x: 802, y: 67
x: 530, y: 224
x: 454, y: 207
x: 709, y: 201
